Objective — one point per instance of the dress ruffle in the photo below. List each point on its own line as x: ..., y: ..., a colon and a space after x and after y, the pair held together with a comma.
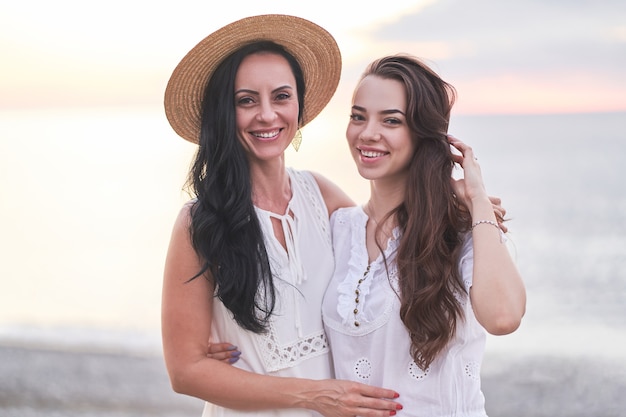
x: 357, y: 265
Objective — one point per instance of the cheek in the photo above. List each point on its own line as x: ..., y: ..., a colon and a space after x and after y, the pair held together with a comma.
x: 288, y: 110
x: 295, y: 111
x: 241, y: 118
x: 352, y: 132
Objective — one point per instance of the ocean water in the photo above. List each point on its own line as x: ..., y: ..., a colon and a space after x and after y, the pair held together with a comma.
x: 89, y: 197
x: 560, y: 176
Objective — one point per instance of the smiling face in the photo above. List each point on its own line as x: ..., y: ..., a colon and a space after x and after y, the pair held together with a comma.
x: 378, y: 134
x: 266, y: 103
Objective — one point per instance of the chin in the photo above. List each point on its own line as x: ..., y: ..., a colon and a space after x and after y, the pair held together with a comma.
x: 367, y: 174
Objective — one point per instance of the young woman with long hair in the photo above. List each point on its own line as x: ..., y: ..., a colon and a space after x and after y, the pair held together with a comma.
x: 422, y: 269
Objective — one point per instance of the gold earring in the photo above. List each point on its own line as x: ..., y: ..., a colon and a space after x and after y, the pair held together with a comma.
x: 297, y: 140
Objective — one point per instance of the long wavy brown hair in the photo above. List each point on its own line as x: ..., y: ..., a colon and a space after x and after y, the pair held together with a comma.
x: 430, y: 218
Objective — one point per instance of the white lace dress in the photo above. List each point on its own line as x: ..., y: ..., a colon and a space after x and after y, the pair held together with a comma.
x: 296, y: 345
x: 377, y: 350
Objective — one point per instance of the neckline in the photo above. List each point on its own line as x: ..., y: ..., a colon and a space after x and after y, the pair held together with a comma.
x: 395, y: 232
x: 391, y: 244
x: 289, y: 203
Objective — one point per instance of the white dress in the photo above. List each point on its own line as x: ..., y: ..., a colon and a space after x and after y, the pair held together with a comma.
x: 377, y: 351
x: 296, y: 345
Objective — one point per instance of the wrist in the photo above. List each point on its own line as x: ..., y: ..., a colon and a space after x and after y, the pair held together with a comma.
x: 480, y: 198
x: 307, y: 394
x: 480, y: 207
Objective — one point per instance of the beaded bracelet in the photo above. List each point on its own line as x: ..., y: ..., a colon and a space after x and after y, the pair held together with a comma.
x: 494, y: 224
x: 485, y: 222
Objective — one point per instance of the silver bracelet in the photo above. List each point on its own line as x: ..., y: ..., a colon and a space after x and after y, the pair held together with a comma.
x: 491, y: 222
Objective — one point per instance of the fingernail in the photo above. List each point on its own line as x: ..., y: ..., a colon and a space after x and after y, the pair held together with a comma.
x: 232, y: 347
x: 392, y: 413
x: 399, y: 407
x: 233, y: 360
x: 396, y: 395
x: 235, y: 354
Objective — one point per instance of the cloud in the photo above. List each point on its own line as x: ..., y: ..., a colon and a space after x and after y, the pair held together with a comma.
x: 556, y: 55
x: 490, y: 36
x: 122, y: 52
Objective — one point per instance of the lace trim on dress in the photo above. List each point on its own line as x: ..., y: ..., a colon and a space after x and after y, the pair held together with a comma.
x: 276, y: 356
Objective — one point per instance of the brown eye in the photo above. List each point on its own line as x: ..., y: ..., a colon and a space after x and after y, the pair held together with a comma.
x: 393, y: 121
x: 245, y: 100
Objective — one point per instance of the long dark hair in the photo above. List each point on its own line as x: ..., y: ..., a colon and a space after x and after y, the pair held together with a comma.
x: 430, y: 217
x: 225, y: 231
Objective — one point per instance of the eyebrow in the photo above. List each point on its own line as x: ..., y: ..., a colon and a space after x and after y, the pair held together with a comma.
x: 388, y: 111
x: 248, y: 91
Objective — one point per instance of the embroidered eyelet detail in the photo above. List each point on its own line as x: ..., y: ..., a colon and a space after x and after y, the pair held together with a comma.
x: 363, y: 369
x: 416, y: 373
x: 472, y: 370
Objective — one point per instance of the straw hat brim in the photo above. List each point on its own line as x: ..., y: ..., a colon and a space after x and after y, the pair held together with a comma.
x: 313, y: 47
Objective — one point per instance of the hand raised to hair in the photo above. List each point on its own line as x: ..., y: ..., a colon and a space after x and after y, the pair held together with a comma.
x: 471, y: 185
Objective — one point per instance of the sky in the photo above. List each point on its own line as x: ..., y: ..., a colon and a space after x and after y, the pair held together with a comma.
x: 533, y: 56
x: 91, y: 173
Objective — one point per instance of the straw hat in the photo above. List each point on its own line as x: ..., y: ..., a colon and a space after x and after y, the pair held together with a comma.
x: 314, y: 48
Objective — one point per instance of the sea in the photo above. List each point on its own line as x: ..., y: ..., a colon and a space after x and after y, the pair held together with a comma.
x: 89, y: 196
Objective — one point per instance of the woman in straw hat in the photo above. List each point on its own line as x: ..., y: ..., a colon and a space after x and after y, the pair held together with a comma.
x: 431, y: 277
x: 250, y: 256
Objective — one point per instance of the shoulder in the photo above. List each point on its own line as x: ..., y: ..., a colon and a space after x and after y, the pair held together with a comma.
x: 345, y: 219
x: 182, y: 261
x: 181, y: 231
x: 334, y: 197
x: 183, y: 220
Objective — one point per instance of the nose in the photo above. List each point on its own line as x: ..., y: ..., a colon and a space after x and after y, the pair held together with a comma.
x: 370, y: 133
x: 266, y: 112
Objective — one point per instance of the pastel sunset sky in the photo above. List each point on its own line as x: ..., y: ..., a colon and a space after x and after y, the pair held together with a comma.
x: 503, y: 56
x: 91, y: 173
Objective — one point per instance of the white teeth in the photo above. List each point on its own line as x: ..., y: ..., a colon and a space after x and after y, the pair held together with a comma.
x: 371, y: 154
x: 266, y: 135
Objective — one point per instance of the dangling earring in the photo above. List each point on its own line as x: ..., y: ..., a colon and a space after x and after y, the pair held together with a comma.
x: 297, y: 140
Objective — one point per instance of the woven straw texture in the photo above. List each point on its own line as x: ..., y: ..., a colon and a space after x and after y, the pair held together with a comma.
x: 314, y: 48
